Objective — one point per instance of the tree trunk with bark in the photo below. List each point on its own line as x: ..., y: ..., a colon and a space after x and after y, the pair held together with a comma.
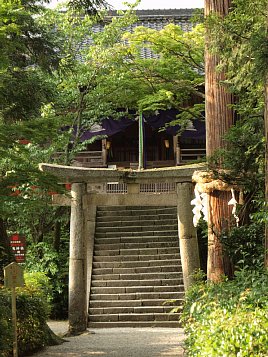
x: 266, y: 156
x: 219, y: 118
x: 266, y: 172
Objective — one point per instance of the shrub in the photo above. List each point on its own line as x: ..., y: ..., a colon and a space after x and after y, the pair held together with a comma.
x: 32, y: 313
x: 5, y: 323
x: 244, y: 245
x: 40, y: 284
x: 228, y: 319
x: 43, y: 258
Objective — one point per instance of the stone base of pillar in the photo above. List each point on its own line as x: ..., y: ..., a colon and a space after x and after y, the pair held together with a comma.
x: 78, y: 315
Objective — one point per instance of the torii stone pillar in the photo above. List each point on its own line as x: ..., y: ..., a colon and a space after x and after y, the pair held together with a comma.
x: 187, y: 233
x: 78, y: 313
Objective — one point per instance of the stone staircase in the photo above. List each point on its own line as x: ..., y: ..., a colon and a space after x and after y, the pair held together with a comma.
x: 136, y: 268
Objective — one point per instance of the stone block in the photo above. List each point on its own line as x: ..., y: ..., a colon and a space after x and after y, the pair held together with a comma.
x: 108, y: 290
x: 104, y: 296
x: 135, y: 317
x: 104, y: 318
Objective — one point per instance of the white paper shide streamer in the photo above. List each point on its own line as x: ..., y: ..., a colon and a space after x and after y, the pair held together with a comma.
x: 200, y: 205
x: 234, y: 202
x: 204, y: 197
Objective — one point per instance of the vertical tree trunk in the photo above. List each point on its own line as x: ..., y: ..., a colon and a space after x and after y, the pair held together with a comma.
x: 218, y: 222
x: 219, y: 118
x: 266, y: 157
x: 266, y: 172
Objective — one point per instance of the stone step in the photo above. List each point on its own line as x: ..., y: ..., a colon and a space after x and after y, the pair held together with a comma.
x: 138, y: 228
x: 121, y: 258
x: 135, y: 317
x: 137, y: 223
x: 136, y: 264
x: 136, y: 240
x: 149, y: 217
x: 129, y: 215
x: 122, y: 324
x: 137, y: 302
x: 144, y: 282
x: 135, y: 252
x: 120, y: 210
x: 136, y: 245
x: 136, y: 213
x: 130, y: 310
x: 137, y: 276
x: 138, y: 289
x: 116, y: 234
x: 136, y: 270
x: 127, y: 208
x: 128, y: 283
x: 138, y: 296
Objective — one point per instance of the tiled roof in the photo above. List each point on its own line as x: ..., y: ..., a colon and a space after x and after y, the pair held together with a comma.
x: 154, y: 19
x: 160, y: 13
x: 157, y: 19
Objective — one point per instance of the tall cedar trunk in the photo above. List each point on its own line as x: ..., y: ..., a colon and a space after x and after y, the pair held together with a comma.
x: 219, y: 118
x: 266, y: 155
x: 218, y: 221
x: 266, y: 171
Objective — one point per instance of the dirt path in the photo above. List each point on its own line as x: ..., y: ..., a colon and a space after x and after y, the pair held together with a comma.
x: 118, y: 342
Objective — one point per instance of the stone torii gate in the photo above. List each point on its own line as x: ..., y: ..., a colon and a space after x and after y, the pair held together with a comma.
x: 87, y: 193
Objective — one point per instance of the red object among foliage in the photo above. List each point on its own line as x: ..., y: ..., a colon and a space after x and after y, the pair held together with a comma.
x: 24, y: 141
x: 15, y: 191
x: 18, y: 245
x: 52, y: 193
x: 68, y: 186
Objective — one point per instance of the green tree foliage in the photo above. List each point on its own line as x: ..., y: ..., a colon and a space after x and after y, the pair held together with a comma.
x: 29, y: 53
x: 34, y: 59
x: 41, y: 257
x: 240, y: 42
x: 176, y: 74
x: 90, y: 7
x: 124, y: 80
x: 104, y: 76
